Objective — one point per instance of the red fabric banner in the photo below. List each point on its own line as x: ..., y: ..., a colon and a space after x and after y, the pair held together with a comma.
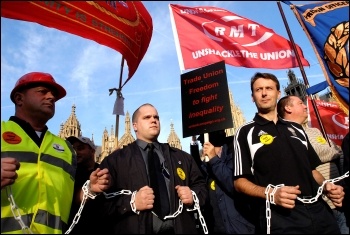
x: 125, y: 26
x: 205, y: 35
x: 334, y: 120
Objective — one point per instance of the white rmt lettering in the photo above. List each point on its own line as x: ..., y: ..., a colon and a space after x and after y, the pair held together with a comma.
x: 276, y: 55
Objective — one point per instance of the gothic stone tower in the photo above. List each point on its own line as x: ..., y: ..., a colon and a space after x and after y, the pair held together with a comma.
x: 71, y: 127
x: 295, y: 86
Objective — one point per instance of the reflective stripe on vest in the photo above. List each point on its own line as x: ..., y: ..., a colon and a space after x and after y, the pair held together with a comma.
x: 42, y: 217
x: 31, y: 157
x: 43, y: 191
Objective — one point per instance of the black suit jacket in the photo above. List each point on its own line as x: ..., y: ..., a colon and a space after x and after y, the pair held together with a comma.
x: 128, y: 172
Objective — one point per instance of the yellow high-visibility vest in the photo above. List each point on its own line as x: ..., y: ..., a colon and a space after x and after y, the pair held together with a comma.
x: 44, y: 188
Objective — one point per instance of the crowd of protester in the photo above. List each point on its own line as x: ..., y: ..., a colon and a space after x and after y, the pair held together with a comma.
x: 267, y: 178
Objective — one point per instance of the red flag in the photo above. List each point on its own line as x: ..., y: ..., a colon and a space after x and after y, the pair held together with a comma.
x: 334, y: 120
x: 125, y: 26
x: 205, y: 35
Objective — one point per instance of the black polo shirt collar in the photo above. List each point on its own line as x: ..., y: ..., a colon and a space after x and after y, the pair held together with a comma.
x: 263, y: 121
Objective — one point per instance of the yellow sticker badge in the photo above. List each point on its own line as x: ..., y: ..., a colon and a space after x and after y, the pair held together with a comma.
x: 212, y: 185
x: 181, y: 173
x: 266, y: 139
x: 321, y: 140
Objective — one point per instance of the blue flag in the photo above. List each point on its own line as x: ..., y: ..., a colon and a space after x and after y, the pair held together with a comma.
x: 327, y: 26
x: 317, y: 88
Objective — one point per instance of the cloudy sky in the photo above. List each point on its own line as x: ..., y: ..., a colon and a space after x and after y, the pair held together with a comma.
x: 87, y: 70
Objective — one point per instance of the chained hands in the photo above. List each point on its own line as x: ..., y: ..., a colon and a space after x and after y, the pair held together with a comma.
x: 335, y: 193
x: 185, y: 194
x: 9, y: 166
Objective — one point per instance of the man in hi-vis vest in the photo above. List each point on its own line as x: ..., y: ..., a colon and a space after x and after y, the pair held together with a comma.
x: 37, y: 167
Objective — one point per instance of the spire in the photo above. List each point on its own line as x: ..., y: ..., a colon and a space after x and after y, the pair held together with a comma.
x: 127, y: 123
x: 127, y: 138
x: 112, y: 131
x: 237, y: 117
x: 295, y: 86
x: 71, y: 127
x: 173, y: 139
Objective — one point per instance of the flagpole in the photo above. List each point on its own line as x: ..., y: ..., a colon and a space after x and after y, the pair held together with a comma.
x: 119, y: 90
x: 303, y: 72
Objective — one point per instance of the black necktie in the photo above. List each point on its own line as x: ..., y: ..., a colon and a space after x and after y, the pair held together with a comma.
x: 157, y: 183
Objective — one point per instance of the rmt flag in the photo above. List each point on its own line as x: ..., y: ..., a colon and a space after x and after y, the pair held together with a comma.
x: 205, y: 35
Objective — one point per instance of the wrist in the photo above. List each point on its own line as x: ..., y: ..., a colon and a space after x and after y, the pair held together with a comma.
x: 87, y: 190
x: 132, y: 203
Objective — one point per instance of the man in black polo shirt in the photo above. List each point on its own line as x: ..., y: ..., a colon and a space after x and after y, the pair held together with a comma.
x: 91, y: 219
x: 275, y: 162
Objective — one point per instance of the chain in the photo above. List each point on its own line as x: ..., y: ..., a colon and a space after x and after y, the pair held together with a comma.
x: 16, y: 213
x: 320, y: 189
x: 197, y: 207
x: 132, y: 203
x: 176, y: 213
x: 78, y: 214
x: 110, y: 195
x: 270, y: 199
x: 270, y: 196
x: 87, y: 193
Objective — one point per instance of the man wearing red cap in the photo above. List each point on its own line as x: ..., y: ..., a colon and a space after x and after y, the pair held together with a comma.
x: 37, y: 167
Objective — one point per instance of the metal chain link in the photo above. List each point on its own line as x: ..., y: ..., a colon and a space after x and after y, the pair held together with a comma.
x: 123, y: 191
x: 270, y: 199
x: 78, y: 214
x: 15, y: 211
x: 197, y: 207
x: 87, y: 193
x: 176, y: 213
x: 320, y: 189
x: 270, y: 196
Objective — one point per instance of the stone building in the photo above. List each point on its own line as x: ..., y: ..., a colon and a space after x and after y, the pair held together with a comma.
x: 237, y: 117
x: 109, y: 143
x: 295, y: 86
x: 298, y: 88
x: 71, y: 127
x: 173, y: 139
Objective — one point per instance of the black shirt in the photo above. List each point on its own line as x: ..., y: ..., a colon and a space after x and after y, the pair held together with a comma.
x: 90, y: 221
x: 276, y: 154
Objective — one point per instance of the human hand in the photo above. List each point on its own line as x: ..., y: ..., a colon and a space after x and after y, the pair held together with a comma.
x: 209, y: 150
x: 185, y: 194
x: 286, y: 196
x: 99, y: 180
x: 144, y: 198
x: 9, y: 166
x: 194, y: 138
x: 335, y: 193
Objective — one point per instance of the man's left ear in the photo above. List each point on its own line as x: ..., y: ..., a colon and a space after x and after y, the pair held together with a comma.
x: 287, y: 108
